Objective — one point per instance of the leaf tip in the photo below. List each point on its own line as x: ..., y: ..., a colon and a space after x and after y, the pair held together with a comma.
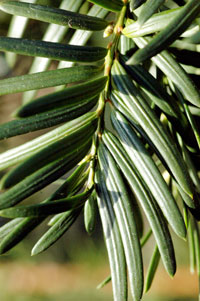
x: 172, y: 271
x: 172, y: 275
x: 15, y: 114
x: 3, y: 183
x: 2, y: 251
x: 146, y: 289
x: 183, y: 234
x: 2, y: 213
x: 132, y: 61
x: 34, y: 251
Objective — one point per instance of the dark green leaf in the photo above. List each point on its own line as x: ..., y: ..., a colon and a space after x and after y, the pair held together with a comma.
x: 72, y: 184
x: 137, y: 214
x: 187, y: 199
x: 168, y: 35
x: 90, y: 213
x: 191, y: 245
x: 56, y: 231
x: 42, y: 177
x: 136, y: 3
x: 26, y: 225
x: 121, y: 203
x: 54, y: 51
x: 66, y: 146
x: 47, y: 79
x: 24, y: 151
x: 9, y: 226
x: 67, y: 98
x: 152, y: 87
x: 145, y: 238
x: 112, y: 240
x: 151, y: 125
x: 47, y: 208
x: 104, y: 282
x: 190, y: 117
x: 152, y: 268
x: 155, y: 93
x: 142, y: 161
x: 148, y: 9
x: 53, y: 15
x: 114, y: 5
x: 151, y: 209
x: 19, y: 233
x: 156, y: 23
x: 45, y: 120
x: 172, y: 69
x: 108, y: 279
x: 193, y: 171
x: 121, y: 106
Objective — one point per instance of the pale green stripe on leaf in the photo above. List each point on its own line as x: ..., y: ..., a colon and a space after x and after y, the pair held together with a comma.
x: 45, y: 120
x: 22, y: 152
x: 143, y: 162
x: 9, y: 226
x: 19, y: 233
x: 112, y: 240
x: 26, y: 225
x: 43, y: 177
x: 193, y: 171
x: 168, y: 35
x: 172, y: 69
x: 151, y: 209
x: 156, y: 23
x: 190, y: 117
x: 121, y: 203
x: 153, y: 89
x: 151, y: 125
x: 48, y: 154
x: 148, y: 9
x: 69, y: 97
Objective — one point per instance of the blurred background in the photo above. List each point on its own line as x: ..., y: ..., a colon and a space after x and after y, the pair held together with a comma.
x: 76, y: 264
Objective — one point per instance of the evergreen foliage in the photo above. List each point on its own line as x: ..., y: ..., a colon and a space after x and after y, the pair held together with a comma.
x: 145, y: 166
